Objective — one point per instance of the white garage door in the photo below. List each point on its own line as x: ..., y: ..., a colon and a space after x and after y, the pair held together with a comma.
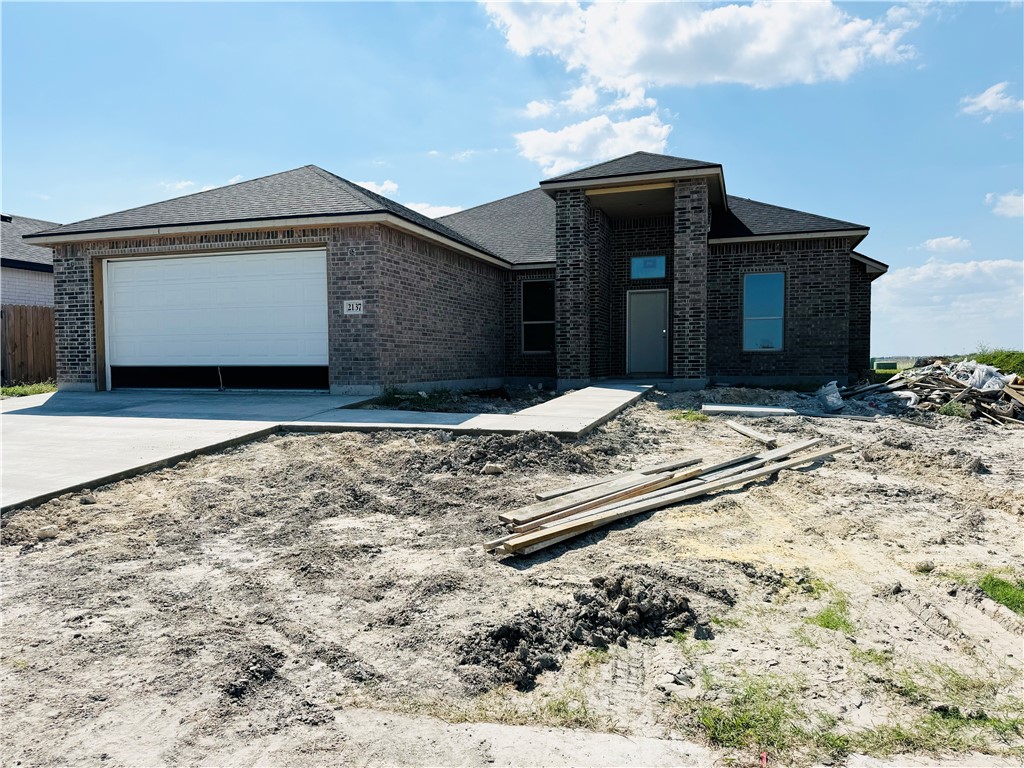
x: 230, y: 309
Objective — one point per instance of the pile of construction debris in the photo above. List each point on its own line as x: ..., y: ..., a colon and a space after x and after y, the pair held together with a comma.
x: 966, y: 388
x: 564, y: 513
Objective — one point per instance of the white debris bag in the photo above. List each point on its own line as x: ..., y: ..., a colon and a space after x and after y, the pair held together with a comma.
x: 829, y: 397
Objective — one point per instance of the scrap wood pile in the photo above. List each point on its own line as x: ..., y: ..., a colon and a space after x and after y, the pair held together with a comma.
x: 564, y: 513
x: 982, y: 391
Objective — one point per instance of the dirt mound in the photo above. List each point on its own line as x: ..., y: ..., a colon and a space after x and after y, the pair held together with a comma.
x: 521, y: 451
x: 612, y: 610
x: 253, y: 670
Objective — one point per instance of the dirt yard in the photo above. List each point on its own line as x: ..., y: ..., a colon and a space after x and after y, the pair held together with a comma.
x: 324, y: 600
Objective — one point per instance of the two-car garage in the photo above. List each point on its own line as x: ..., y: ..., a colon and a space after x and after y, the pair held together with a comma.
x: 230, y: 320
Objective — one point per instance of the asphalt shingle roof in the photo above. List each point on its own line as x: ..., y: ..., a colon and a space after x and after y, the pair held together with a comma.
x: 749, y: 218
x: 13, y: 247
x: 300, y: 193
x: 519, y: 229
x: 631, y: 165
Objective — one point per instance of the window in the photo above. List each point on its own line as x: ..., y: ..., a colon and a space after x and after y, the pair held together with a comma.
x: 763, y: 301
x: 646, y: 267
x: 539, y: 316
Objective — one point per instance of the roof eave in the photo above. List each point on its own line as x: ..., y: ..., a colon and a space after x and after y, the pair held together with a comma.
x: 874, y: 267
x: 616, y: 180
x: 31, y: 266
x: 56, y: 238
x: 857, y: 234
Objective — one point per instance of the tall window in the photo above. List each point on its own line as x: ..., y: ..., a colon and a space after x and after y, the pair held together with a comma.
x: 539, y: 316
x: 764, y: 299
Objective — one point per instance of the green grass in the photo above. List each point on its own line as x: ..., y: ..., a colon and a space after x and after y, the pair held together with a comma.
x: 1004, y: 592
x: 1006, y: 360
x: 835, y: 616
x: 688, y: 415
x: 936, y: 733
x: 22, y: 390
x: 954, y: 409
x: 594, y: 657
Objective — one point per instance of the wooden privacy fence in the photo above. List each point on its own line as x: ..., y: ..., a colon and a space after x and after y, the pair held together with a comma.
x: 27, y: 351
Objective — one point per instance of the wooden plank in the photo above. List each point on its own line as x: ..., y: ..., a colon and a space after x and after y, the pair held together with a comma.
x: 753, y: 434
x: 627, y: 493
x: 1009, y: 390
x: 677, y: 464
x: 557, y: 504
x: 544, y: 537
x: 715, y: 472
x: 752, y: 410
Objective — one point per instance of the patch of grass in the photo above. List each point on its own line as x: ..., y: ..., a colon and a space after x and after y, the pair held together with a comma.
x: 871, y: 656
x: 762, y: 714
x: 566, y: 709
x: 801, y: 636
x: 936, y: 733
x: 725, y: 621
x: 688, y: 415
x: 1006, y: 360
x: 954, y: 409
x: 1004, y: 592
x: 594, y: 657
x: 689, y: 646
x: 835, y: 616
x: 23, y: 390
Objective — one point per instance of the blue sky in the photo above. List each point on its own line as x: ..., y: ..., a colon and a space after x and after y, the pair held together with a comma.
x: 907, y: 118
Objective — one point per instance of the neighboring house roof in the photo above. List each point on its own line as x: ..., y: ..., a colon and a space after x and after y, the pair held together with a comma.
x: 18, y: 254
x: 874, y: 267
x: 307, y: 192
x: 519, y: 229
x: 749, y: 218
x: 635, y: 164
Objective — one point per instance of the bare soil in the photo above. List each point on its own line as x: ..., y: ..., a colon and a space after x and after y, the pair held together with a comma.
x: 324, y: 599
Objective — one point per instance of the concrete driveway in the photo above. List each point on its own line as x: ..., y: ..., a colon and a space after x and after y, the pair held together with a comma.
x: 60, y: 442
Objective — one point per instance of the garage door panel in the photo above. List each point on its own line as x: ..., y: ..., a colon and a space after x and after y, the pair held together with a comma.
x: 229, y: 309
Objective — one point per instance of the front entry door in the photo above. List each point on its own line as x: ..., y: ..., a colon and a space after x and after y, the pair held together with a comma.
x: 647, y: 331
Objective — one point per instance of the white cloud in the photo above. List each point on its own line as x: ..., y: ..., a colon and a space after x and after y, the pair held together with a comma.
x: 941, y: 244
x: 623, y: 46
x: 539, y: 108
x: 386, y: 187
x: 634, y: 99
x: 591, y: 141
x: 433, y: 211
x: 177, y: 186
x: 581, y: 99
x: 1011, y: 204
x: 990, y: 102
x: 943, y: 307
x: 235, y: 179
x: 433, y: 153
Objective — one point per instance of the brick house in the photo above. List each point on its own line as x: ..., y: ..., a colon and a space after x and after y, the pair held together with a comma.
x: 26, y: 271
x: 640, y: 266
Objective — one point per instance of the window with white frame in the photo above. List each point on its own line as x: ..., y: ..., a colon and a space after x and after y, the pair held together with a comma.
x: 764, y: 301
x: 539, y: 316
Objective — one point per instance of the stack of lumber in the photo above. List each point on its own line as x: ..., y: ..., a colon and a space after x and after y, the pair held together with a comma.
x: 930, y: 388
x: 564, y: 513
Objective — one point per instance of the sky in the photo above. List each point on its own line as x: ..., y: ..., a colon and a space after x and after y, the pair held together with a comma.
x: 905, y: 118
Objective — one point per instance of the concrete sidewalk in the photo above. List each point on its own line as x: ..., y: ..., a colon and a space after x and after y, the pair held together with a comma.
x: 570, y: 415
x: 65, y: 441
x: 58, y: 443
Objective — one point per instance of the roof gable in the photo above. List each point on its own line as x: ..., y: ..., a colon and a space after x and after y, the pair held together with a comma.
x: 12, y: 247
x: 635, y: 164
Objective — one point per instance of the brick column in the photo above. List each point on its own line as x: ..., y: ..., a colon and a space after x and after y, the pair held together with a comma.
x: 572, y: 288
x: 353, y: 272
x: 74, y: 317
x: 689, y: 311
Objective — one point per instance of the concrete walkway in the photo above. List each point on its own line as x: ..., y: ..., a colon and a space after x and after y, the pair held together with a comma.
x: 570, y: 415
x: 58, y: 443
